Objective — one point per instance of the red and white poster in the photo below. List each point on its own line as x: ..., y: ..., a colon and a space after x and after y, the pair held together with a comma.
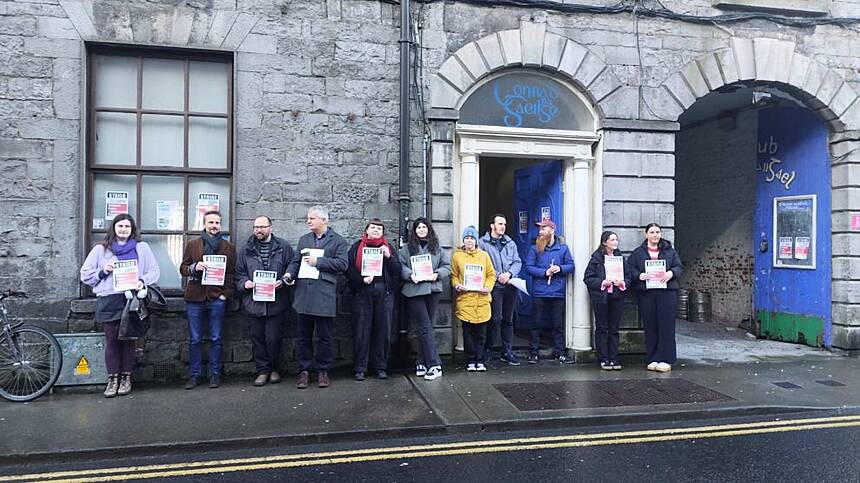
x: 264, y: 285
x: 206, y: 202
x: 125, y: 275
x: 473, y: 277
x: 785, y: 247
x: 116, y: 203
x: 855, y: 221
x: 216, y: 270
x: 422, y: 267
x: 371, y: 262
x: 801, y: 247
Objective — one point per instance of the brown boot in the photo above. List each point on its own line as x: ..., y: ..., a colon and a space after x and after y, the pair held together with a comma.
x: 304, y: 380
x: 124, y: 384
x: 112, y: 385
x: 324, y: 380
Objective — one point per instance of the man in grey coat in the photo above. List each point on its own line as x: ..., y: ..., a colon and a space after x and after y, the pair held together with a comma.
x: 507, y: 264
x: 320, y: 256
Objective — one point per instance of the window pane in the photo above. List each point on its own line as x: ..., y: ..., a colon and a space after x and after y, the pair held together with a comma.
x: 207, y: 142
x: 163, y: 84
x: 112, y: 194
x: 116, y: 81
x: 205, y: 194
x: 116, y: 138
x: 162, y: 201
x: 168, y: 253
x: 161, y: 140
x: 207, y: 90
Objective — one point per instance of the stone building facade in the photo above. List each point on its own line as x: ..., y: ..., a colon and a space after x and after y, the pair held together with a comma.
x: 310, y: 117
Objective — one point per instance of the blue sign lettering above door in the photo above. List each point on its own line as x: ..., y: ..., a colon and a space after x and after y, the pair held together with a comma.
x: 525, y: 100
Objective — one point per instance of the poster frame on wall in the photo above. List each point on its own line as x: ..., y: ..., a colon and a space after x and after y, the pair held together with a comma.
x: 809, y: 262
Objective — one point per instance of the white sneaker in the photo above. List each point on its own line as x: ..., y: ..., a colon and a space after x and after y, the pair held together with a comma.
x: 420, y: 370
x: 652, y: 366
x: 482, y: 368
x: 663, y: 367
x: 471, y: 367
x: 433, y: 373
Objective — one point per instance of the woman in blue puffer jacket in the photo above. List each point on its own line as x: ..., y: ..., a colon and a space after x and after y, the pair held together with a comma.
x: 548, y: 263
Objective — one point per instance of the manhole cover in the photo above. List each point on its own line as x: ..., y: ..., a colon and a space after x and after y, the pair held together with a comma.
x: 541, y: 396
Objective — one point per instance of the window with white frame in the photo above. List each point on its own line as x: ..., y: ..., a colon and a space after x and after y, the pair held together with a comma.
x: 160, y: 145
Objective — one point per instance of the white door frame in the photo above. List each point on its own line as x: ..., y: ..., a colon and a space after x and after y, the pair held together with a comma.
x: 576, y: 149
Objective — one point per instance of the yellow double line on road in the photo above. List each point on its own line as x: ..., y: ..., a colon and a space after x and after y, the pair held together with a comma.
x: 197, y: 468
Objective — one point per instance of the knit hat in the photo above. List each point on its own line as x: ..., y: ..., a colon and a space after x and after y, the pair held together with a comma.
x: 470, y: 231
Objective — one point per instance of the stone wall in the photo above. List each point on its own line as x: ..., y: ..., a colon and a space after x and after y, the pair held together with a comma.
x: 716, y: 193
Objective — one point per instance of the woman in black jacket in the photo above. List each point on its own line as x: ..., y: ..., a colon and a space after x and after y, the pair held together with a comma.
x: 373, y: 299
x: 607, y: 300
x: 657, y: 305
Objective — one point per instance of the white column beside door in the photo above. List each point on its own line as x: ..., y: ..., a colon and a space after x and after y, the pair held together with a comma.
x: 577, y: 222
x: 468, y: 215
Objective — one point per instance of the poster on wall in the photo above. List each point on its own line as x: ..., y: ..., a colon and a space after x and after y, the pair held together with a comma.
x: 545, y: 213
x: 116, y: 203
x: 524, y: 222
x: 168, y: 215
x: 206, y: 202
x: 794, y: 229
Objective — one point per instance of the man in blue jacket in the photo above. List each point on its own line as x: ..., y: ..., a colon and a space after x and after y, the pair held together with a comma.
x: 549, y: 263
x: 507, y: 264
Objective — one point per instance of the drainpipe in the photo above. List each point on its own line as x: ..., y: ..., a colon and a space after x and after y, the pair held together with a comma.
x: 403, y: 197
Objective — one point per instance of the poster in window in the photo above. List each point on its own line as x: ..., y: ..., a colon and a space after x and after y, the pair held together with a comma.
x: 794, y: 229
x: 116, y: 203
x: 206, y: 202
x: 168, y: 215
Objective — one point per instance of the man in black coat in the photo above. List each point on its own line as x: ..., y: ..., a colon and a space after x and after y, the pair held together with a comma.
x: 264, y: 252
x: 320, y: 256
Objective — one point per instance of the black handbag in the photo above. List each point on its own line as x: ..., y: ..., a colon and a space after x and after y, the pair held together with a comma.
x: 135, y: 323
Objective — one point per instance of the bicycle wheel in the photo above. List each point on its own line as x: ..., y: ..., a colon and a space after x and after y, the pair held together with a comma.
x: 30, y: 363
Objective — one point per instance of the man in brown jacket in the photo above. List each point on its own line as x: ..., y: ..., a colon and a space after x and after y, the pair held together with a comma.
x: 209, y: 263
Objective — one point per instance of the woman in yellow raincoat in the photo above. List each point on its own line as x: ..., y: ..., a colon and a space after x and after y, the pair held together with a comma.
x: 473, y: 278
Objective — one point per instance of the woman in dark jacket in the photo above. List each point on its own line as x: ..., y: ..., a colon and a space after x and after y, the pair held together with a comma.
x: 422, y: 292
x: 607, y: 300
x: 657, y: 305
x: 373, y: 301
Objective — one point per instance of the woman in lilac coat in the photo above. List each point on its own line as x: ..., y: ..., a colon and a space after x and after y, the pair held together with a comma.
x: 121, y: 243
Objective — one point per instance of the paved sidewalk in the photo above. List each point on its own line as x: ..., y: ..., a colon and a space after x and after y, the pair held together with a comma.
x: 704, y: 383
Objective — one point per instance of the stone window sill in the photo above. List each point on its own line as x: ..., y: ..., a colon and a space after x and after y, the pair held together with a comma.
x: 807, y: 7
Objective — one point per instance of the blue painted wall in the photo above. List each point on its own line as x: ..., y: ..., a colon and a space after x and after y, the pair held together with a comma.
x: 793, y: 159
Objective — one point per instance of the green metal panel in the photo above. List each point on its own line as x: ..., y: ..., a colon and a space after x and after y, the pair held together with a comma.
x: 786, y: 327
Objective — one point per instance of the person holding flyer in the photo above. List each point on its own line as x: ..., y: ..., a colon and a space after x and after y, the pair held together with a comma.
x: 373, y: 275
x: 267, y: 257
x: 606, y: 282
x: 121, y: 245
x: 549, y: 263
x: 657, y: 291
x: 206, y: 302
x: 424, y: 265
x: 323, y: 251
x: 473, y: 278
x: 506, y: 262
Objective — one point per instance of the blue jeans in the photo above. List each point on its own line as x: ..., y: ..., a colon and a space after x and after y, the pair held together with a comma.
x: 211, y: 316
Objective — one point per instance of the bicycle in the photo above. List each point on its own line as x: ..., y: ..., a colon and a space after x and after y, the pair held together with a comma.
x: 30, y: 357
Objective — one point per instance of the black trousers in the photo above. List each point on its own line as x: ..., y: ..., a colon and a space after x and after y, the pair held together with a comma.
x: 266, y: 341
x: 555, y: 308
x: 422, y: 309
x: 304, y: 344
x: 473, y: 342
x: 503, y: 305
x: 371, y: 327
x: 657, y: 310
x: 607, y: 321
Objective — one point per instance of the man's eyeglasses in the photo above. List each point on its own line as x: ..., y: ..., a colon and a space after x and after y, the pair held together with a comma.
x: 260, y: 227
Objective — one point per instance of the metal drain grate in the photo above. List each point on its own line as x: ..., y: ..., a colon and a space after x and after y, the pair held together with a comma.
x: 787, y: 385
x: 830, y: 383
x: 597, y: 394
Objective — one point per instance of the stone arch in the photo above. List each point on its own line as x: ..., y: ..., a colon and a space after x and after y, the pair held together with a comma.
x: 764, y: 60
x: 530, y: 46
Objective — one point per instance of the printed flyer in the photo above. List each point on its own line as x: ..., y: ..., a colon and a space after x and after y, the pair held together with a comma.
x: 116, y: 203
x: 168, y: 215
x: 264, y: 285
x: 216, y: 270
x: 206, y: 202
x: 655, y: 269
x: 801, y: 247
x: 614, y: 267
x: 125, y: 275
x: 785, y: 247
x: 473, y: 277
x: 307, y: 270
x: 422, y: 267
x: 371, y: 262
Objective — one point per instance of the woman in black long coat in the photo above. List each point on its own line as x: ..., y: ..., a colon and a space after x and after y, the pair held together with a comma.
x: 607, y: 300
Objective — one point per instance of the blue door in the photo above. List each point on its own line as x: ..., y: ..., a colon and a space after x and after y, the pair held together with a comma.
x: 537, y: 195
x: 792, y: 228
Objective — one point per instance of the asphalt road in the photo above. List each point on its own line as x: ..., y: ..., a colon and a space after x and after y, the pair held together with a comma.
x: 799, y: 447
